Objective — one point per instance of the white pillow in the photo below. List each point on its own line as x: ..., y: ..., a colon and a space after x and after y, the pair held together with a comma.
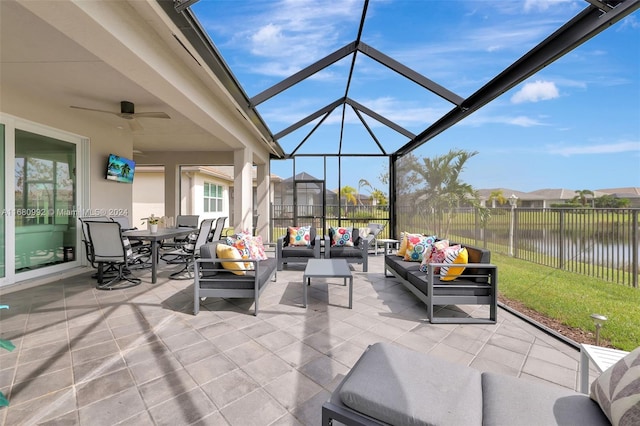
x: 617, y: 390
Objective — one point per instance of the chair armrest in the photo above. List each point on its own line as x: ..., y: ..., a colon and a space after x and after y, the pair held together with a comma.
x: 492, y: 271
x: 199, y: 268
x: 316, y: 247
x: 327, y: 247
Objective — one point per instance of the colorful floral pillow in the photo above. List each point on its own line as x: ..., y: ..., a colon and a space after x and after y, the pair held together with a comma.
x: 248, y: 246
x: 436, y: 254
x: 417, y: 245
x: 454, y: 256
x: 404, y: 238
x: 239, y: 241
x: 256, y: 248
x: 299, y: 236
x: 341, y: 237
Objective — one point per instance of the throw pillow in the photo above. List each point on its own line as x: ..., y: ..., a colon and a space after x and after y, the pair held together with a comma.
x: 341, y: 237
x: 256, y: 248
x: 438, y: 253
x: 299, y: 236
x: 417, y: 246
x: 457, y: 257
x: 363, y: 232
x: 239, y: 241
x: 404, y: 238
x: 190, y: 243
x: 224, y: 251
x: 617, y: 390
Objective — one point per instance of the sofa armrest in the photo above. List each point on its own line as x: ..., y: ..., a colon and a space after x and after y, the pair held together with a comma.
x: 327, y: 247
x: 316, y: 247
x: 491, y: 269
x: 199, y: 268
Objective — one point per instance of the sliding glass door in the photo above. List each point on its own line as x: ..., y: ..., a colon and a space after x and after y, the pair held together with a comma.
x: 45, y: 196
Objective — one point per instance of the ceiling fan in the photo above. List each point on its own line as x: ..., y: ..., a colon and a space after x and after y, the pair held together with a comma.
x: 127, y: 111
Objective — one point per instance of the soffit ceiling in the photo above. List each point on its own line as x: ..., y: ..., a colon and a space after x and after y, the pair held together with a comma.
x: 41, y: 62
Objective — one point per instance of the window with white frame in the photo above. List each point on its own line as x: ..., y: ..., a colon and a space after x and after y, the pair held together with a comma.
x: 212, y: 198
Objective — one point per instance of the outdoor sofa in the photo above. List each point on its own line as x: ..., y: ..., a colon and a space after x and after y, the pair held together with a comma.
x: 476, y: 285
x: 213, y: 279
x: 393, y: 385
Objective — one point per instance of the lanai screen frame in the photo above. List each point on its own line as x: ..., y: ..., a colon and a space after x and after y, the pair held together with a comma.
x: 595, y: 18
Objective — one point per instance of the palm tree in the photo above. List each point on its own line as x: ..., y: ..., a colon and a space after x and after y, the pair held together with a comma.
x: 443, y: 189
x: 380, y: 197
x: 582, y: 196
x: 124, y: 171
x: 349, y: 194
x: 498, y: 196
x: 361, y: 183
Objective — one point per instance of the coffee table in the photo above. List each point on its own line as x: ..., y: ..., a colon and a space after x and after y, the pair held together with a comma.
x: 327, y: 268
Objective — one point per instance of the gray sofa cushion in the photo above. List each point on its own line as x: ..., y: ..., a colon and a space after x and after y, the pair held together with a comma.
x: 402, y: 387
x: 509, y: 400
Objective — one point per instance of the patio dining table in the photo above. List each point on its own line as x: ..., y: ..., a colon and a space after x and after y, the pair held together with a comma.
x: 155, y: 238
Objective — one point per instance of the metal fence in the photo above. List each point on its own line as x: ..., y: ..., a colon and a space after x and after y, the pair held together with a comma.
x: 602, y: 243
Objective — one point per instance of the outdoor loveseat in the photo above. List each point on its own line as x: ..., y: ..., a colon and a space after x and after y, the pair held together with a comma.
x: 476, y: 285
x: 213, y: 278
x: 392, y: 385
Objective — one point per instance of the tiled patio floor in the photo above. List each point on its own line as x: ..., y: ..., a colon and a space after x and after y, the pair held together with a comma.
x: 139, y: 356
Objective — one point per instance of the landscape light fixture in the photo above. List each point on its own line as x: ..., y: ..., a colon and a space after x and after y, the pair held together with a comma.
x: 513, y: 200
x: 598, y: 321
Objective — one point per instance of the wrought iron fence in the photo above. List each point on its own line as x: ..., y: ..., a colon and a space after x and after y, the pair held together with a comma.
x: 602, y: 243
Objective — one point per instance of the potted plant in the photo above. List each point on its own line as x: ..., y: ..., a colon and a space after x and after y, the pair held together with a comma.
x: 152, y: 222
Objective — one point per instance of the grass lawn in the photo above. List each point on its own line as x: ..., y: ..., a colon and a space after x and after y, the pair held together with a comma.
x: 571, y: 298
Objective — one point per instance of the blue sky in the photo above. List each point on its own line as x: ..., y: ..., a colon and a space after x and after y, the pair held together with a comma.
x: 574, y: 125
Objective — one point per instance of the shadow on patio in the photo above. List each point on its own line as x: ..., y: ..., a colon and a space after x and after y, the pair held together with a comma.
x: 139, y: 356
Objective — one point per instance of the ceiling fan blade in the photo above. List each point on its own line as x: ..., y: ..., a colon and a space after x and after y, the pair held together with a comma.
x: 134, y: 125
x: 152, y: 115
x: 93, y: 109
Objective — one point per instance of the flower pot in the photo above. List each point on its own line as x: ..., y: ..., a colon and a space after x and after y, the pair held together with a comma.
x: 153, y: 227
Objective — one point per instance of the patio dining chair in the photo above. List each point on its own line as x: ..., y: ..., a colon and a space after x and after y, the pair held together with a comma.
x: 138, y: 247
x: 88, y: 248
x: 216, y: 232
x: 182, y: 221
x: 187, y: 254
x: 109, y: 248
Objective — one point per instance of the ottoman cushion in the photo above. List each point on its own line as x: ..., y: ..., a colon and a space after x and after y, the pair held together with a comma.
x: 403, y: 387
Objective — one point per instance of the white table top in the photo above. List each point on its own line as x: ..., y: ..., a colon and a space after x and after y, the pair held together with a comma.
x: 602, y: 358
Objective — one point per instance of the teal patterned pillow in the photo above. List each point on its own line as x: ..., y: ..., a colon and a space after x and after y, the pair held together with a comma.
x: 341, y: 237
x: 417, y: 246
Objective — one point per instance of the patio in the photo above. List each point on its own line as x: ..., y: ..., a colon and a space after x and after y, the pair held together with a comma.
x: 139, y: 356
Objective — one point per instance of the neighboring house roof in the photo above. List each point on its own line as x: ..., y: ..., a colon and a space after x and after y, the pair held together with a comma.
x: 627, y: 192
x: 301, y: 176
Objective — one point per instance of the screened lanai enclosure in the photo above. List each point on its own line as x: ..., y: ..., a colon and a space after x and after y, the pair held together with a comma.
x: 346, y: 92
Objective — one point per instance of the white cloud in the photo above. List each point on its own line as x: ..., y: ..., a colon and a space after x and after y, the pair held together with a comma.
x: 613, y: 148
x: 542, y: 5
x: 535, y: 92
